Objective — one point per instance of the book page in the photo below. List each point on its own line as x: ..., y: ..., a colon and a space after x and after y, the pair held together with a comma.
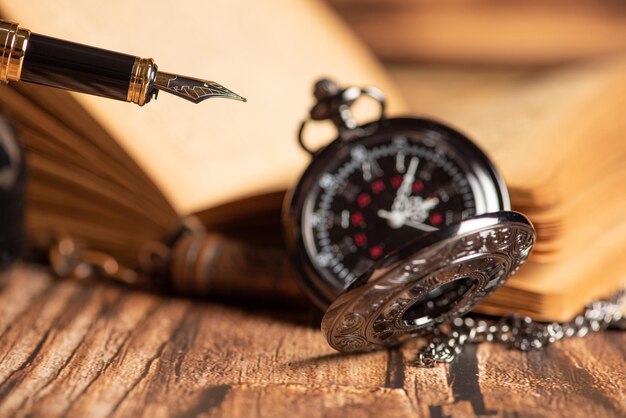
x: 541, y: 128
x: 270, y: 52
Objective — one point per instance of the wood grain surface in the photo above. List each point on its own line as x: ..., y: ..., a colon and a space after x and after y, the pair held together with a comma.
x: 100, y: 350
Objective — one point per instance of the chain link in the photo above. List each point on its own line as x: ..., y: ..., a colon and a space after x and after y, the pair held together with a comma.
x: 520, y: 332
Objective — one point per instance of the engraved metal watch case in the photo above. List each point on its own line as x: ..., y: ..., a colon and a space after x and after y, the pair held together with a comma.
x: 397, y: 225
x: 429, y: 282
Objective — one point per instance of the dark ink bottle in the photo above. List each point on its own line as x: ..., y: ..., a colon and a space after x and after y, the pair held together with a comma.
x: 12, y: 193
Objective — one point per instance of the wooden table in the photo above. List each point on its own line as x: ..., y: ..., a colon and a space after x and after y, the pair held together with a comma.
x: 99, y: 350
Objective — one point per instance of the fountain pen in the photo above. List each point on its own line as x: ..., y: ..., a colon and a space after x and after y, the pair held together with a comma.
x: 35, y: 58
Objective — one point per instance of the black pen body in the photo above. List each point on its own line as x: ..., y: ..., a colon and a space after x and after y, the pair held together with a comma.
x: 40, y: 59
x: 76, y: 67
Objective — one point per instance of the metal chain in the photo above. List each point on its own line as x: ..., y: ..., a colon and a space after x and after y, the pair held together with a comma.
x: 520, y: 332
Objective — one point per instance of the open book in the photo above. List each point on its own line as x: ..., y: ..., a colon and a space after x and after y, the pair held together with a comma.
x: 117, y: 176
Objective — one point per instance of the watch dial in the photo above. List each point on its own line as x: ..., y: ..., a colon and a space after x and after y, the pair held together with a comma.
x: 378, y: 194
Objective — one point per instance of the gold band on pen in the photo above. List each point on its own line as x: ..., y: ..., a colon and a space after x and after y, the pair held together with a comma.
x: 141, y: 79
x: 13, y: 44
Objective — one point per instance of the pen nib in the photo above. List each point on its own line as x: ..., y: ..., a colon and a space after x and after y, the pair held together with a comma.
x: 193, y: 89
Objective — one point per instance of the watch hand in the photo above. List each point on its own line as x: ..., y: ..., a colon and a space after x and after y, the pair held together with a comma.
x: 395, y: 219
x: 431, y: 203
x: 419, y: 225
x: 404, y: 190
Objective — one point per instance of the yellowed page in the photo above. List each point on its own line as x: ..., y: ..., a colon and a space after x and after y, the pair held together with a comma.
x: 541, y: 128
x: 270, y: 51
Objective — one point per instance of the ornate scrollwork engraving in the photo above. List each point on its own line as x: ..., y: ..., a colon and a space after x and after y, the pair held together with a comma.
x: 438, y: 283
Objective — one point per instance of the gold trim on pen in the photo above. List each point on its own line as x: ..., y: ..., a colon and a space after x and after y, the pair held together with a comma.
x: 141, y: 80
x: 13, y: 44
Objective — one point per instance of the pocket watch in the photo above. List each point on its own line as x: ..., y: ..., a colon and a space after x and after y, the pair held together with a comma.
x: 398, y: 225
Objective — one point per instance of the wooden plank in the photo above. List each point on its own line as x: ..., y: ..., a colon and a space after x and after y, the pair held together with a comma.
x: 585, y: 377
x: 100, y: 350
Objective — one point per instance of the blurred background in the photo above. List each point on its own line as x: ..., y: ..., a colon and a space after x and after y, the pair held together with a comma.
x: 509, y: 33
x: 489, y: 42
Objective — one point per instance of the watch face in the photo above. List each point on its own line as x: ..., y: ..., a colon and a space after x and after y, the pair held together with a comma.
x: 367, y: 196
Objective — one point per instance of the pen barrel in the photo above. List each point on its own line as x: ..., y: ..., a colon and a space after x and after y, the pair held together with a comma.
x: 71, y: 66
x: 85, y: 69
